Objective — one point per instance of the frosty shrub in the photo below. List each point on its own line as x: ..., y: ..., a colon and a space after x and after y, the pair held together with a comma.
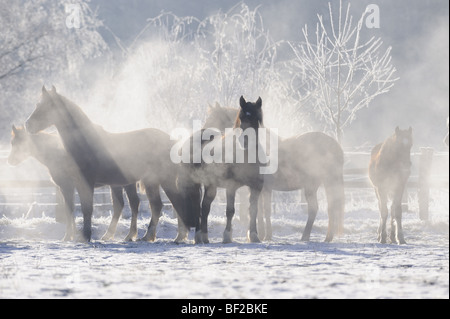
x: 36, y: 46
x: 344, y: 73
x: 241, y: 59
x: 176, y: 66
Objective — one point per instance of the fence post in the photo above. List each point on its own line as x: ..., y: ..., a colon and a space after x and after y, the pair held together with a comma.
x: 426, y: 158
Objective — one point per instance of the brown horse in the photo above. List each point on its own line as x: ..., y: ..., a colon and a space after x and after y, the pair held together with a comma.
x: 304, y: 162
x: 230, y: 175
x: 49, y: 151
x: 112, y: 159
x: 389, y: 170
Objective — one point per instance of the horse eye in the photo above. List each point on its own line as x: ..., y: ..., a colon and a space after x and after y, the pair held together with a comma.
x: 248, y: 113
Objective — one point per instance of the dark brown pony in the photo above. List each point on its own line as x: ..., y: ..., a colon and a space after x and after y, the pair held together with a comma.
x: 389, y: 170
x: 304, y: 162
x: 112, y: 159
x: 230, y: 176
x: 49, y: 151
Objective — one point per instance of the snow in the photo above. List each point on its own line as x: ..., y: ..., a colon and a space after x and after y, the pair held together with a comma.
x: 34, y: 263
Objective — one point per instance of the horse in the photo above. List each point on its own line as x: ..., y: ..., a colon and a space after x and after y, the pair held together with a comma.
x: 116, y: 159
x: 305, y: 161
x: 49, y: 151
x: 230, y: 175
x: 389, y: 170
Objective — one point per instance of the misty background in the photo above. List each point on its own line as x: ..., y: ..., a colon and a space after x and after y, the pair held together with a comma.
x: 125, y: 77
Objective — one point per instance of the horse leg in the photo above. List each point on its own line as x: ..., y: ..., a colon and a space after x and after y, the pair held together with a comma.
x: 67, y: 192
x: 252, y: 234
x: 311, y: 199
x: 134, y: 201
x: 266, y: 197
x: 60, y: 209
x: 118, y: 203
x: 156, y: 205
x: 86, y: 193
x: 231, y: 196
x: 334, y: 189
x: 243, y: 194
x: 396, y: 215
x: 382, y: 205
x: 261, y: 224
x: 170, y: 188
x: 201, y: 235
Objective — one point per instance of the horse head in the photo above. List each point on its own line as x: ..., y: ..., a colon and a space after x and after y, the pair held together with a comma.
x: 44, y: 114
x: 20, y: 146
x: 250, y: 114
x: 249, y: 119
x: 220, y: 117
x: 403, y: 142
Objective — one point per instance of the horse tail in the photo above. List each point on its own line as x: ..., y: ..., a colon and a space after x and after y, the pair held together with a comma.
x: 192, y: 195
x: 141, y: 187
x: 334, y: 188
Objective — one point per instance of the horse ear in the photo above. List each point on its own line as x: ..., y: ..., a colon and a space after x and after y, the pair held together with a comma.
x: 242, y: 101
x: 259, y: 103
x: 44, y: 90
x: 53, y: 89
x: 410, y: 130
x: 14, y: 130
x: 397, y: 130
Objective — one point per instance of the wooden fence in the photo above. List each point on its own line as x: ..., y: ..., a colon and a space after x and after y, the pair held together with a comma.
x: 430, y: 170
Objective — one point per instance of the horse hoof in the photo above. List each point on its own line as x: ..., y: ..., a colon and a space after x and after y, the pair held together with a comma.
x: 305, y: 239
x: 198, y: 238
x: 68, y: 238
x: 129, y: 238
x: 253, y: 237
x: 149, y: 239
x: 227, y: 237
x: 328, y: 239
x: 107, y: 237
x: 180, y: 239
x: 268, y: 236
x: 205, y: 238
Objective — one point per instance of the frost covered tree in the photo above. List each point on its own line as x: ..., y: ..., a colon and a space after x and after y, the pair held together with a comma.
x: 179, y: 65
x: 344, y: 73
x: 239, y: 52
x: 44, y: 40
x: 241, y: 58
x: 160, y: 78
x: 37, y: 36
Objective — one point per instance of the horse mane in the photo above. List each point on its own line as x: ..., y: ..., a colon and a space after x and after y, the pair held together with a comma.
x: 237, y: 122
x: 75, y: 113
x: 388, y: 154
x: 220, y: 116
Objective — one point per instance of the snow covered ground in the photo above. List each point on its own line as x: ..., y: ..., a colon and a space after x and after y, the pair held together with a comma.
x: 34, y: 263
